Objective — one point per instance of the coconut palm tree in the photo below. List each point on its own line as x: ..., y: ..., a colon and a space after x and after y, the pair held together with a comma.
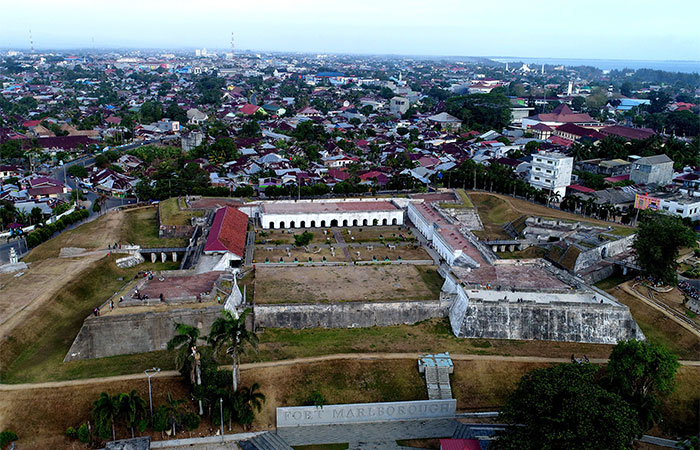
x: 184, y: 341
x: 247, y: 401
x: 174, y: 410
x: 133, y: 409
x: 105, y: 411
x: 231, y: 332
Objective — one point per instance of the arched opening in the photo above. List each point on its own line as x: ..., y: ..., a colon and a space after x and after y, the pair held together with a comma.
x: 375, y: 222
x: 281, y: 224
x: 345, y: 222
x: 354, y: 223
x: 313, y: 224
x: 271, y: 225
x: 364, y: 222
x: 323, y: 224
x: 302, y: 224
x: 334, y: 223
x: 384, y: 222
x: 394, y: 221
x: 291, y: 224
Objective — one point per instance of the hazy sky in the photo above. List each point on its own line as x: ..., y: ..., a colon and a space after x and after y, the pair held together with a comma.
x: 608, y: 29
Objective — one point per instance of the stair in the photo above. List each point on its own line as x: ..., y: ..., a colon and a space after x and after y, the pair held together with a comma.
x: 266, y: 441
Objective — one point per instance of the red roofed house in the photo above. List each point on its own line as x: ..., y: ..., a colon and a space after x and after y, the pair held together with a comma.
x: 562, y: 114
x: 249, y: 109
x: 227, y: 237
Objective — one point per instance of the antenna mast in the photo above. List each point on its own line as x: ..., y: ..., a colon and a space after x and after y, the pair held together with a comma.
x: 233, y: 48
x: 31, y: 41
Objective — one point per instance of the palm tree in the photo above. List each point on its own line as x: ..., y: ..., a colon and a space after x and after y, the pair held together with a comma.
x: 174, y: 410
x: 105, y: 411
x: 184, y: 341
x: 247, y: 401
x: 133, y: 408
x: 231, y: 332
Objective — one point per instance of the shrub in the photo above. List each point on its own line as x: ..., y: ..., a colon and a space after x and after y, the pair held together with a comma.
x: 303, y: 239
x: 160, y: 419
x: 190, y: 421
x: 84, y: 433
x: 71, y: 432
x: 316, y: 398
x: 6, y: 437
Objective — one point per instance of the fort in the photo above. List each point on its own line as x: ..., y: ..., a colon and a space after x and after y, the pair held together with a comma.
x: 375, y: 263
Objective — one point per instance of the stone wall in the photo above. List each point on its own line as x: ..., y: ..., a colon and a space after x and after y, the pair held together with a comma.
x: 591, y: 323
x: 347, y: 315
x: 122, y: 334
x: 609, y: 249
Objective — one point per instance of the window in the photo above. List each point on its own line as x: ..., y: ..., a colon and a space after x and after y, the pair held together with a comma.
x: 537, y: 178
x: 549, y: 171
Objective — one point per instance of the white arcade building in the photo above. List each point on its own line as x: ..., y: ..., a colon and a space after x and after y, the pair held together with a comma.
x: 322, y: 214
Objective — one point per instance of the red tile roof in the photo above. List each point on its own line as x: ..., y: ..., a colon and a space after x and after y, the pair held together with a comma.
x: 584, y: 189
x: 249, y: 109
x: 459, y: 444
x: 228, y: 232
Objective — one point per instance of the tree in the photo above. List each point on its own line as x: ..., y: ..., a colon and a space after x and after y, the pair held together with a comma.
x: 105, y: 411
x: 303, y: 239
x: 77, y: 171
x: 246, y: 402
x: 577, y: 103
x: 563, y: 407
x: 658, y: 240
x: 133, y: 409
x: 185, y: 340
x: 101, y: 161
x: 642, y: 373
x: 173, y: 410
x: 231, y: 332
x: 223, y: 150
x: 481, y: 111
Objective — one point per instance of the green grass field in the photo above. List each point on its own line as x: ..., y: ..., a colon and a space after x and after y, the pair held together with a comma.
x: 34, y: 352
x: 140, y: 227
x: 170, y: 213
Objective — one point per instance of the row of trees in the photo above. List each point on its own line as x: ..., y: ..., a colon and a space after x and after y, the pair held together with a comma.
x: 579, y: 406
x: 213, y: 389
x: 44, y: 233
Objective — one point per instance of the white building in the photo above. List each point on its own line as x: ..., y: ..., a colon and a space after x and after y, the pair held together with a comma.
x: 551, y: 171
x: 399, y: 105
x: 335, y: 213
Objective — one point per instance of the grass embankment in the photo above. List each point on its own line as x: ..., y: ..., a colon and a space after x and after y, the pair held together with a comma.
x: 170, y: 213
x: 495, y: 210
x: 464, y: 201
x: 430, y: 336
x: 140, y: 227
x: 34, y: 352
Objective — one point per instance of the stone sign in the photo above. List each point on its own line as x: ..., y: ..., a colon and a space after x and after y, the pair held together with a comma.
x: 365, y: 412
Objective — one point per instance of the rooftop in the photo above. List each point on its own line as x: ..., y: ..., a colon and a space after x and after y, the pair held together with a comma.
x: 326, y: 207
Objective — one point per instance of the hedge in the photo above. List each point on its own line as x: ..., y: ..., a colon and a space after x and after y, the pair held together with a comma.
x: 45, y: 232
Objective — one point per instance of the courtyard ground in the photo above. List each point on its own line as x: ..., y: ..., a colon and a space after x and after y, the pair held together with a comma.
x: 140, y: 227
x: 345, y: 283
x: 171, y: 214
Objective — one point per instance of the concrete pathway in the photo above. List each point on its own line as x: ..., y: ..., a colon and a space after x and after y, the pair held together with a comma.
x: 341, y: 243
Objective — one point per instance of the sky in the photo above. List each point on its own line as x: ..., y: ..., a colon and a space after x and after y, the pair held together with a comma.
x: 595, y: 29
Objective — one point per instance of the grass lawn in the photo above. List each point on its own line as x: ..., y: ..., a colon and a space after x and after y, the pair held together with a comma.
x: 170, y: 213
x: 430, y: 336
x: 659, y: 328
x: 494, y: 212
x: 140, y: 226
x: 465, y: 201
x: 34, y: 351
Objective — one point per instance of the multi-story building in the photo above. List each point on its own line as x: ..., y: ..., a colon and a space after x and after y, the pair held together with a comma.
x: 551, y: 171
x: 656, y: 169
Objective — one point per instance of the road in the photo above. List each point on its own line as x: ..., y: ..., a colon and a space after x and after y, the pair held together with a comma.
x: 60, y: 174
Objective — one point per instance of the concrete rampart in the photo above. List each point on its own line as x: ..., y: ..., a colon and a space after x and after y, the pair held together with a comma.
x: 123, y: 334
x: 348, y: 314
x: 584, y: 322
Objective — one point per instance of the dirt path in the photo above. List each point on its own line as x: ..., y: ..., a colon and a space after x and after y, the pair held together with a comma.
x: 525, y: 207
x: 308, y: 360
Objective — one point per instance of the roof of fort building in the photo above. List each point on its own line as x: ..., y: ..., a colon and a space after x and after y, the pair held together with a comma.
x: 327, y: 207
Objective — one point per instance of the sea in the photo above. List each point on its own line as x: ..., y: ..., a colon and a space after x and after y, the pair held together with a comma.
x: 608, y: 64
